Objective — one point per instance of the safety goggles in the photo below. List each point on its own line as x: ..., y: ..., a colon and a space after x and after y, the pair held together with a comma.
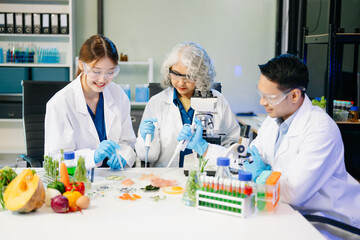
x: 275, y: 99
x: 96, y: 73
x: 177, y: 76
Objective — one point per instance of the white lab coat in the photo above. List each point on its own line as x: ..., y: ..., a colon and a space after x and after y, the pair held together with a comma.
x: 311, y: 161
x: 169, y: 125
x: 69, y: 126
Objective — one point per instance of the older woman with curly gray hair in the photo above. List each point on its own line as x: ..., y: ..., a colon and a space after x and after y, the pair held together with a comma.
x: 187, y: 68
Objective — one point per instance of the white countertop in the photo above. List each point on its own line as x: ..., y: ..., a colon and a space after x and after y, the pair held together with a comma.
x: 113, y: 218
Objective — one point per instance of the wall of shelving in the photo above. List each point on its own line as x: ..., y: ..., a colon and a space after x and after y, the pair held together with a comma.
x: 12, y: 141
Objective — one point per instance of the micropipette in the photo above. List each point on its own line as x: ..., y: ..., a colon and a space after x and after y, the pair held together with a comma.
x: 147, y: 147
x: 181, y: 146
x: 119, y: 157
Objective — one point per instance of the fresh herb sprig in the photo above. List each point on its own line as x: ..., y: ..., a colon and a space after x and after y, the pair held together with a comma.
x: 202, y: 163
x: 150, y: 188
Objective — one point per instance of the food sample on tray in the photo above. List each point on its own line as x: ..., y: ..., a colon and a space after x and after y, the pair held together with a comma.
x: 127, y: 182
x: 160, y: 182
x: 147, y: 177
x: 173, y: 190
x: 115, y: 178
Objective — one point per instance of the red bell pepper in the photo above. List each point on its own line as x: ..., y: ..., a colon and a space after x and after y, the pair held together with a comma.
x: 76, y: 186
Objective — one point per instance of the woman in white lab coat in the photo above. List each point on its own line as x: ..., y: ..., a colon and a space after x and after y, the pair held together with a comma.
x: 186, y: 69
x: 91, y: 115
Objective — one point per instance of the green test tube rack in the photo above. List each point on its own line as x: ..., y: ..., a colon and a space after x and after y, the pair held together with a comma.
x: 231, y: 205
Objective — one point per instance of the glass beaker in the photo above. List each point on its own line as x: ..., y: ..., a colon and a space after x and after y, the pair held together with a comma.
x: 81, y: 174
x: 192, y: 185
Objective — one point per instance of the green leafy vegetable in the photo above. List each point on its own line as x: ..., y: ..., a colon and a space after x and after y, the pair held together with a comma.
x: 7, y: 174
x: 150, y: 188
x: 321, y: 103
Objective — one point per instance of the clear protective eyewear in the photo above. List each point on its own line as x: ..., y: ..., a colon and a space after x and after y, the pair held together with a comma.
x: 275, y: 99
x: 96, y: 73
x: 177, y: 76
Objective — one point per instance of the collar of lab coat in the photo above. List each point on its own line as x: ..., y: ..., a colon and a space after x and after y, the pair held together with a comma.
x: 81, y: 107
x: 168, y: 97
x: 297, y: 126
x: 80, y: 98
x: 301, y: 118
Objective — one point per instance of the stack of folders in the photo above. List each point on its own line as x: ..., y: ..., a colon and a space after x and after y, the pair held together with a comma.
x: 34, y: 23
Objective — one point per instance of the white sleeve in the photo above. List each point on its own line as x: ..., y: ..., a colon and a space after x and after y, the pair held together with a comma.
x: 59, y: 134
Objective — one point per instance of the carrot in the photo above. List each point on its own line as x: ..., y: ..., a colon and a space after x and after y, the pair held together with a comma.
x: 64, y: 175
x: 136, y: 196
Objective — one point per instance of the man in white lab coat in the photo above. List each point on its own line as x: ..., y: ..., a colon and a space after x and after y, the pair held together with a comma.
x: 303, y: 143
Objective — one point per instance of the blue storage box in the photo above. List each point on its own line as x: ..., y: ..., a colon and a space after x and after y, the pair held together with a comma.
x: 50, y: 74
x: 11, y: 77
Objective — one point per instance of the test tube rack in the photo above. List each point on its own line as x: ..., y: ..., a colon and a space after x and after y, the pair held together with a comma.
x: 268, y: 191
x: 231, y: 205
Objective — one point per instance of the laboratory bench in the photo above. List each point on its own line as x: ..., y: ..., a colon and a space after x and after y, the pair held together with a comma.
x: 254, y: 121
x: 113, y: 218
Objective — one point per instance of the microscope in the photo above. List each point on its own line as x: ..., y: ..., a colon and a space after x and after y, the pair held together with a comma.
x: 238, y: 151
x: 204, y: 106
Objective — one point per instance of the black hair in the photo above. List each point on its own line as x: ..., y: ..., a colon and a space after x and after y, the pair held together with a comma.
x: 288, y: 71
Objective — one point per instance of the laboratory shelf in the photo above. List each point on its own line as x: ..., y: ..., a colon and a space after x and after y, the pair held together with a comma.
x: 339, y: 38
x: 11, y: 120
x: 40, y: 6
x: 15, y: 35
x: 138, y: 103
x: 132, y: 63
x: 33, y: 65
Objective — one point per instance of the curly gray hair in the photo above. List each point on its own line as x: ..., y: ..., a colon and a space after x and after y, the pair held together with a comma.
x: 198, y: 63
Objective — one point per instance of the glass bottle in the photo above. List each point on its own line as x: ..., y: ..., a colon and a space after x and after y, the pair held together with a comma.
x: 223, y: 169
x: 69, y: 160
x: 353, y: 114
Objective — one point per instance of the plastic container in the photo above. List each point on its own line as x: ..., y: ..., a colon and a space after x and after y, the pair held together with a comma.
x: 126, y: 88
x: 223, y: 168
x: 142, y: 93
x: 268, y: 191
x: 340, y: 115
x: 353, y: 114
x: 69, y: 160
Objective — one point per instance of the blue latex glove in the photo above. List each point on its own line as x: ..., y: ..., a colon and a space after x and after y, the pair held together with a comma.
x: 114, y: 163
x: 196, y: 142
x: 257, y: 165
x: 147, y: 127
x: 105, y: 149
